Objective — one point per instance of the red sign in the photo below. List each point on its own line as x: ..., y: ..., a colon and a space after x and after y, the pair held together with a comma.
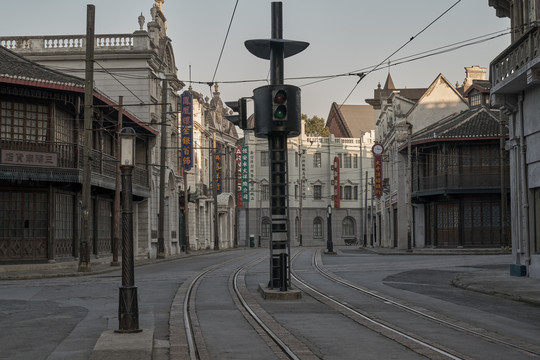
x: 238, y: 156
x: 335, y: 169
x: 377, y: 151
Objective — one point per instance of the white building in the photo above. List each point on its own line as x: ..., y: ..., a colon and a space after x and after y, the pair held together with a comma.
x: 311, y: 189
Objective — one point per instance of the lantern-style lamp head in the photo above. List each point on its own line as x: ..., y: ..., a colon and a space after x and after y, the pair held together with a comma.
x: 329, y: 209
x: 127, y: 147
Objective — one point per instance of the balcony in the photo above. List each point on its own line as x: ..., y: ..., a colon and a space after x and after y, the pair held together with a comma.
x: 517, y: 66
x: 69, y: 165
x: 458, y: 183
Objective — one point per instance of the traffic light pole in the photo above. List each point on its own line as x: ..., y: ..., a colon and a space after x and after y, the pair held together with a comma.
x: 277, y: 117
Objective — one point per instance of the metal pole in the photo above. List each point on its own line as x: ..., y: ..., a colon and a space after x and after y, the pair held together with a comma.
x: 116, y: 218
x: 301, y: 199
x: 84, y: 259
x: 371, y: 217
x: 162, y: 168
x: 409, y: 190
x: 329, y: 242
x: 128, y: 310
x: 214, y: 194
x: 365, y: 212
x: 502, y: 170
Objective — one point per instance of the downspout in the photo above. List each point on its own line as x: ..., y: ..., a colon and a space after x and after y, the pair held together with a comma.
x: 524, y: 187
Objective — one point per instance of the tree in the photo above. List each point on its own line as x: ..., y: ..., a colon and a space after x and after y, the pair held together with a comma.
x: 315, y: 126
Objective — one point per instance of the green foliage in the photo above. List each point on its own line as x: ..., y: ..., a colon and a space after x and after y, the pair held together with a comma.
x: 315, y: 126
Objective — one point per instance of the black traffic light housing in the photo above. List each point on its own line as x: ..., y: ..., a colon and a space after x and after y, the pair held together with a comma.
x: 239, y: 107
x: 277, y: 110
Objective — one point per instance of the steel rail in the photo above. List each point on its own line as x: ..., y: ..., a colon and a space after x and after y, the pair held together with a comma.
x: 389, y: 301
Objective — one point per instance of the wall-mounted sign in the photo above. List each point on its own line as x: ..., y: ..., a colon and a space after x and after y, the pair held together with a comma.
x: 219, y: 169
x: 377, y: 151
x: 30, y: 158
x: 186, y: 126
x: 245, y: 174
x: 335, y: 170
x: 238, y: 157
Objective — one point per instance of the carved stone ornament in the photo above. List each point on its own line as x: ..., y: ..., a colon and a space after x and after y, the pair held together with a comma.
x: 141, y: 21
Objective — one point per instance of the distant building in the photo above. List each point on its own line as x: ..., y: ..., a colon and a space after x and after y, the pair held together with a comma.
x: 350, y: 121
x: 311, y: 189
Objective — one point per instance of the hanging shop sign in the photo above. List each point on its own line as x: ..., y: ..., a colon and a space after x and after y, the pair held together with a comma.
x: 238, y: 157
x: 219, y: 169
x: 377, y: 151
x: 337, y: 194
x: 186, y: 126
x: 245, y: 174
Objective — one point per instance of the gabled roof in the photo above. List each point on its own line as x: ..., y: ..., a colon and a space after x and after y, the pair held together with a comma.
x: 431, y: 87
x: 350, y: 120
x: 473, y: 124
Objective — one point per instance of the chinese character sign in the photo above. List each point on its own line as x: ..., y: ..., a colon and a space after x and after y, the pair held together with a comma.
x: 245, y: 174
x: 32, y: 158
x: 219, y: 169
x: 186, y: 126
x: 238, y: 157
x: 335, y: 170
x: 377, y: 151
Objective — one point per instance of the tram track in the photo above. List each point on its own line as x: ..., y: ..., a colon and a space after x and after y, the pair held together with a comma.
x: 279, y: 340
x: 391, y: 329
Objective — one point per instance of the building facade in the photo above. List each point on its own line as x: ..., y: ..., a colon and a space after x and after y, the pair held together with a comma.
x: 135, y: 66
x: 41, y: 166
x: 515, y: 79
x: 313, y: 187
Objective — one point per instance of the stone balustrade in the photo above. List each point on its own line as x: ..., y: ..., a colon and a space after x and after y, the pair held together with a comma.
x: 516, y: 57
x: 68, y: 42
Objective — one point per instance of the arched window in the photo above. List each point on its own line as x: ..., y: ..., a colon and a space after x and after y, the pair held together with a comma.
x: 317, y: 227
x: 347, y: 227
x: 265, y: 228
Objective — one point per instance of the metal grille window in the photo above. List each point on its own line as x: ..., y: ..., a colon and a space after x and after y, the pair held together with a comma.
x: 347, y: 226
x: 317, y: 160
x: 347, y: 193
x: 347, y: 161
x: 265, y: 227
x: 355, y: 161
x: 264, y: 158
x: 265, y: 189
x: 317, y: 227
x: 317, y: 192
x: 22, y: 121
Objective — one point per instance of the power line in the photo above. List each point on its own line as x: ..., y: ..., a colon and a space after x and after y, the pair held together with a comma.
x: 225, y: 41
x: 396, y: 51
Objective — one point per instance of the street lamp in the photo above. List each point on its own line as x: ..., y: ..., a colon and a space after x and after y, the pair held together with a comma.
x: 329, y: 243
x: 128, y: 309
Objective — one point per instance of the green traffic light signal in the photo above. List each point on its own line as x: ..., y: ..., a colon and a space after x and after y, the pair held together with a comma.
x: 280, y: 105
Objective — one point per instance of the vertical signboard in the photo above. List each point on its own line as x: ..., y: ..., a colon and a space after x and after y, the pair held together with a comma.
x: 219, y: 169
x: 337, y: 193
x: 245, y: 174
x: 238, y: 157
x: 377, y: 151
x: 186, y: 122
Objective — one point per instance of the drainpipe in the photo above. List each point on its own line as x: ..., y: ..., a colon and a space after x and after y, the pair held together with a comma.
x: 524, y: 186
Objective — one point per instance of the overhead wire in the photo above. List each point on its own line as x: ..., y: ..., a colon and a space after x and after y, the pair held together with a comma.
x: 396, y: 51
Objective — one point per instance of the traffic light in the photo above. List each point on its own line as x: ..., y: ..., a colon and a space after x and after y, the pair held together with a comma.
x: 239, y: 107
x: 277, y: 110
x: 279, y: 105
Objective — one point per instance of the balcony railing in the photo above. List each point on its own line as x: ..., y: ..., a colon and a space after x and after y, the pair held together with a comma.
x: 460, y: 182
x: 70, y: 157
x: 515, y: 58
x: 71, y: 42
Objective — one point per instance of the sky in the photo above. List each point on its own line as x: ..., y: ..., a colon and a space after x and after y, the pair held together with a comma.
x: 345, y: 36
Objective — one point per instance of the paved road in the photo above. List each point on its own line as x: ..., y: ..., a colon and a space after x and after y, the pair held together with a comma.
x: 63, y: 318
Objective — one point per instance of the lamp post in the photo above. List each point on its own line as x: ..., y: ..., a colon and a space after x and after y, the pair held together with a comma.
x: 128, y: 309
x: 329, y: 243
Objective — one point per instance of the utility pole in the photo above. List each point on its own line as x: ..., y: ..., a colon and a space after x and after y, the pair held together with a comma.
x: 214, y: 193
x: 502, y: 163
x: 409, y: 189
x: 84, y: 259
x: 116, y: 217
x: 365, y: 212
x: 162, y: 168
